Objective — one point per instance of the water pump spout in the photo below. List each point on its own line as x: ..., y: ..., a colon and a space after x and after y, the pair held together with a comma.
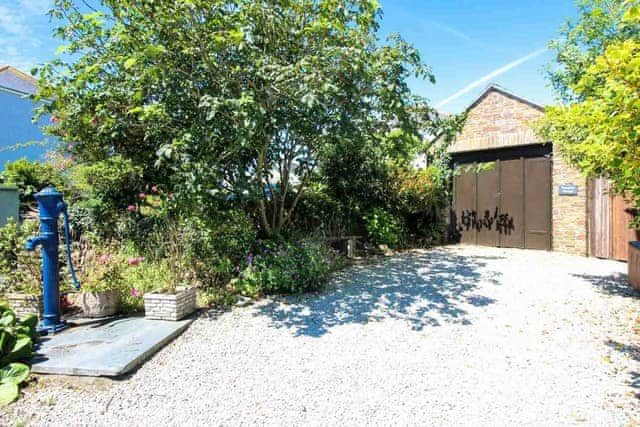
x: 33, y: 243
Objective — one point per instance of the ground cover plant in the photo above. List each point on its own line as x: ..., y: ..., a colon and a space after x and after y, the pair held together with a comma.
x: 17, y: 337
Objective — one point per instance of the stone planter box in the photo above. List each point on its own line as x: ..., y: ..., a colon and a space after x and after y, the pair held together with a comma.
x: 99, y: 304
x: 25, y: 304
x: 634, y: 265
x: 164, y: 306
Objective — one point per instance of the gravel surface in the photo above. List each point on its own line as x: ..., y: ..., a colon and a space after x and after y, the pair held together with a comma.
x: 452, y: 336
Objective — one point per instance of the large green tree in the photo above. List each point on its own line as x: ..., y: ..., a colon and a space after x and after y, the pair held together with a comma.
x: 226, y: 101
x: 598, y: 127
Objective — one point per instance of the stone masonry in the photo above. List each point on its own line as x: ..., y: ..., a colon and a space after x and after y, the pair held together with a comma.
x: 23, y: 304
x: 170, y: 306
x: 569, y: 212
x: 499, y: 119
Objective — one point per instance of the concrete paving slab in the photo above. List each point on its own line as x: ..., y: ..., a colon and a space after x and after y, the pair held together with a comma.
x: 110, y: 347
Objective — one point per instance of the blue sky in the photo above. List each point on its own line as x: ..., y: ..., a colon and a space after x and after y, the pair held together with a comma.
x: 462, y: 40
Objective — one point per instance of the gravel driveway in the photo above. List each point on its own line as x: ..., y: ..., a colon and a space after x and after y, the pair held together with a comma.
x: 452, y: 336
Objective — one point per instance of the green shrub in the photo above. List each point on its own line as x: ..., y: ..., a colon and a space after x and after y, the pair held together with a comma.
x: 206, y: 248
x: 102, y: 192
x: 21, y: 270
x: 321, y: 214
x: 285, y: 267
x: 31, y: 177
x: 16, y: 347
x: 383, y: 228
x: 421, y: 195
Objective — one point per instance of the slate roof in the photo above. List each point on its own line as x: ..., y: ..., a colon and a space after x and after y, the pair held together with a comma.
x: 16, y: 81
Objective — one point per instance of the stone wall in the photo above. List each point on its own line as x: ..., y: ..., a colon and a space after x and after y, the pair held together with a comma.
x: 497, y: 120
x: 569, y: 212
x: 24, y: 305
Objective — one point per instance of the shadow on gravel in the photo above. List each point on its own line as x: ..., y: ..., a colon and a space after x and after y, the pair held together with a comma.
x: 424, y: 289
x: 612, y: 284
x: 632, y: 352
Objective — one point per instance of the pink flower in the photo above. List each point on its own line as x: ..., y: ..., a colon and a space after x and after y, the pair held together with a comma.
x: 105, y: 259
x: 54, y: 120
x: 154, y: 189
x: 131, y: 208
x: 136, y: 293
x: 135, y: 260
x: 142, y: 196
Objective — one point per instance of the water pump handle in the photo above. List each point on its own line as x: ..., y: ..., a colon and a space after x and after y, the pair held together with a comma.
x: 62, y: 206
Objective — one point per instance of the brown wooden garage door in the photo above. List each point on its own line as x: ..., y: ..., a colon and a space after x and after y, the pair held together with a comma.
x: 505, y: 203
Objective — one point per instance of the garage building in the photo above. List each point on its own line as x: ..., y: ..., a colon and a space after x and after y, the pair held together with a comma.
x: 512, y: 190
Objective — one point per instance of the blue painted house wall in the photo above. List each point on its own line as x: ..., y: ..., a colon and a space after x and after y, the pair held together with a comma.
x: 16, y: 114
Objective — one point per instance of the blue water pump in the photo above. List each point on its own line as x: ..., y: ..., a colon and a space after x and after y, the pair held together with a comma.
x: 50, y: 206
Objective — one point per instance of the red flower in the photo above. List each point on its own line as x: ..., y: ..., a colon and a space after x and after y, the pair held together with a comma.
x: 54, y: 120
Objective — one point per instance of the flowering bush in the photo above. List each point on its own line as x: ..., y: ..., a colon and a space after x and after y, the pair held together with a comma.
x: 99, y: 269
x: 286, y: 267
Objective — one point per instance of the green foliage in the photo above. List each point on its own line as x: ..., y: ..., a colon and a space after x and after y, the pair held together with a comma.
x: 321, y: 214
x: 383, y: 228
x: 31, y: 177
x: 16, y: 346
x: 144, y: 277
x: 599, y: 131
x: 102, y: 191
x: 600, y: 23
x: 419, y: 191
x: 421, y: 196
x: 359, y: 176
x: 285, y: 267
x: 210, y: 97
x: 20, y: 269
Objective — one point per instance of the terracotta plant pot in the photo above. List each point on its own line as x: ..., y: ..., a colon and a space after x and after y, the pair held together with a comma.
x: 634, y: 265
x: 25, y: 304
x: 166, y: 306
x: 100, y: 304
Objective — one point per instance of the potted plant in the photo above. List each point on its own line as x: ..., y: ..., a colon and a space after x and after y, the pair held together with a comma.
x: 634, y: 265
x: 170, y: 303
x: 100, y: 278
x: 174, y: 298
x: 20, y: 271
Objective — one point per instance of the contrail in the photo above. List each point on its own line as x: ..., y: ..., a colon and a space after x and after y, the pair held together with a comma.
x: 450, y: 30
x: 490, y: 76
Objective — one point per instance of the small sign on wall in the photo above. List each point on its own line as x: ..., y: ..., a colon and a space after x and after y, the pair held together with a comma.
x: 568, y: 190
